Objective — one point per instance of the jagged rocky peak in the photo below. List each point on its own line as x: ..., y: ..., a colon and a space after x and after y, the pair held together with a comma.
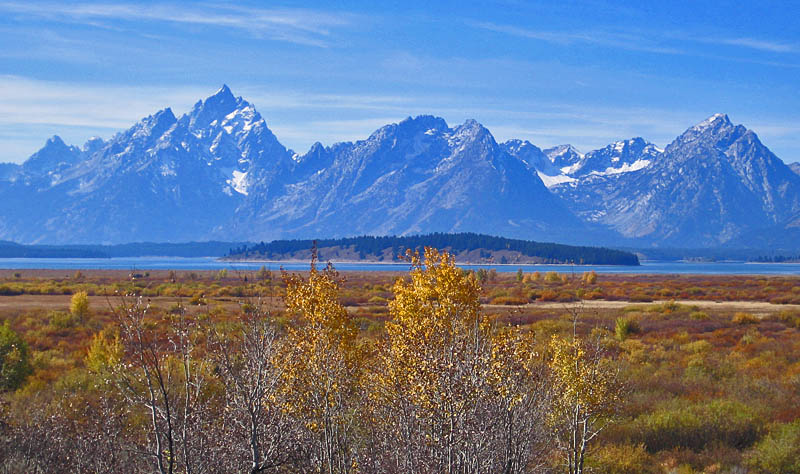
x: 412, y: 126
x: 471, y: 131
x: 157, y: 124
x: 634, y: 144
x: 563, y: 155
x: 631, y: 149
x: 54, y: 155
x: 520, y: 146
x: 473, y: 126
x: 54, y: 141
x: 93, y: 144
x: 716, y: 120
x: 215, y: 108
x: 314, y: 154
x: 53, y: 144
x: 316, y: 149
x: 425, y: 123
x: 717, y: 131
x: 619, y: 157
x: 533, y: 157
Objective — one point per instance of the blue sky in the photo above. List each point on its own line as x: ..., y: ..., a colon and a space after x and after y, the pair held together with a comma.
x: 585, y: 72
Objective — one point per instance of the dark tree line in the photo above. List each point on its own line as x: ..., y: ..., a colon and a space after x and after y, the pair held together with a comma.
x: 777, y: 259
x: 456, y: 243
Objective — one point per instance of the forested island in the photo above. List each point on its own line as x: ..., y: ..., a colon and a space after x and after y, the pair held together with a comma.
x: 466, y: 247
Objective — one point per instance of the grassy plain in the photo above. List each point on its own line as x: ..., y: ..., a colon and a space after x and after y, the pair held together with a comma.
x: 711, y: 364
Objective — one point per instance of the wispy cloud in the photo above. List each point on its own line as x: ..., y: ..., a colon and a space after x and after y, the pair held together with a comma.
x: 32, y: 110
x: 645, y: 42
x: 294, y: 25
x: 753, y: 43
x: 30, y: 101
x: 602, y: 38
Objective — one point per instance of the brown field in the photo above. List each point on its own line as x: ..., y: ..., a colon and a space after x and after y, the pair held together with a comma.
x: 711, y: 363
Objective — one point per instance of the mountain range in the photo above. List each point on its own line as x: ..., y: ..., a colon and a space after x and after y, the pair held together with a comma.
x: 218, y: 172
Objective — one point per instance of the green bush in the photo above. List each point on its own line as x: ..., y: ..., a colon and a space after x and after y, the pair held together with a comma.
x: 624, y: 327
x: 79, y: 305
x: 63, y: 320
x: 552, y: 277
x: 790, y: 318
x: 640, y: 298
x: 198, y: 300
x: 509, y: 300
x: 779, y: 451
x: 621, y: 459
x: 6, y: 290
x: 699, y: 315
x: 15, y: 359
x: 744, y: 318
x: 699, y: 425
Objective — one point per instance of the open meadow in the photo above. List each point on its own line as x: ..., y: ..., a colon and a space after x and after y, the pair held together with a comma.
x: 702, y: 373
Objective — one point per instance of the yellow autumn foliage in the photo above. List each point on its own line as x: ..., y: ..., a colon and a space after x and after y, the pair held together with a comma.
x: 321, y: 368
x: 453, y: 389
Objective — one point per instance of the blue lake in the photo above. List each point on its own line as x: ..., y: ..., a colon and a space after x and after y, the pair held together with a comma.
x: 211, y: 263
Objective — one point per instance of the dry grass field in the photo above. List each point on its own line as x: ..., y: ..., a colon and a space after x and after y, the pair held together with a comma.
x: 710, y: 364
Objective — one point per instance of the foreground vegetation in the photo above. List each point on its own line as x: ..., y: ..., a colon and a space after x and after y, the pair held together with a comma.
x: 437, y: 371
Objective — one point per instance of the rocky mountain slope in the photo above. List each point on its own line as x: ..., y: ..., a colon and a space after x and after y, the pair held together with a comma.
x: 714, y: 183
x: 416, y: 176
x: 218, y: 172
x: 164, y: 179
x: 564, y: 164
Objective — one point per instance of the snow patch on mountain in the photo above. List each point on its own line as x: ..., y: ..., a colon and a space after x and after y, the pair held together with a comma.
x: 625, y: 168
x: 551, y: 181
x: 239, y: 182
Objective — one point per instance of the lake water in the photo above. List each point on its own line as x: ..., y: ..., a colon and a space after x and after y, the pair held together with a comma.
x: 211, y: 263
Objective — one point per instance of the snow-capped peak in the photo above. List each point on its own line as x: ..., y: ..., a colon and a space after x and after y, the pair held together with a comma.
x: 563, y: 150
x: 711, y: 121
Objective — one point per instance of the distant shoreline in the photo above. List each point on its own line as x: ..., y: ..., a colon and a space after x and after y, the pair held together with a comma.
x: 458, y: 262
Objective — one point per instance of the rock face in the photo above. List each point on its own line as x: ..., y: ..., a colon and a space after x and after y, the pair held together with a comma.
x: 164, y: 179
x: 713, y: 183
x: 619, y: 157
x: 563, y: 156
x: 416, y: 176
x: 218, y: 172
x: 564, y: 164
x: 795, y: 167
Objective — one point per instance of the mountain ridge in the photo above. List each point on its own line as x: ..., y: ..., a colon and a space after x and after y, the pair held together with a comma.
x: 218, y: 172
x: 713, y: 183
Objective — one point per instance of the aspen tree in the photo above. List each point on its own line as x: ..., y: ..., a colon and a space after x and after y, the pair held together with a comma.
x: 321, y: 368
x: 453, y: 392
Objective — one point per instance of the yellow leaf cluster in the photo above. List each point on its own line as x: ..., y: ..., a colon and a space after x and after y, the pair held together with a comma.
x: 105, y: 352
x: 441, y: 354
x: 321, y: 367
x: 429, y: 344
x: 584, y: 382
